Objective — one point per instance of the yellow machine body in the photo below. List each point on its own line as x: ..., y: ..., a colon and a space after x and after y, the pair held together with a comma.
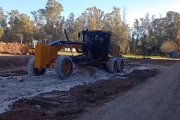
x: 46, y: 55
x: 95, y: 49
x: 31, y: 51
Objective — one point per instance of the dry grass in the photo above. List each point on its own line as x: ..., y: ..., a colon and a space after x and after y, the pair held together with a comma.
x: 151, y: 57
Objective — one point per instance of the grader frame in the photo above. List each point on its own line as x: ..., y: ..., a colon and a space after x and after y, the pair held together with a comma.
x: 94, y: 50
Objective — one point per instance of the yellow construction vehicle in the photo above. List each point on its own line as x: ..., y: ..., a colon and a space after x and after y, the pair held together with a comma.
x: 95, y: 49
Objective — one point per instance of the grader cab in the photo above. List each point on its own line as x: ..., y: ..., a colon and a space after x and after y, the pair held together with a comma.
x: 95, y: 49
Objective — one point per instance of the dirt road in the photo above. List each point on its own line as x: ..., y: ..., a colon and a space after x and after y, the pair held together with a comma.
x: 14, y: 61
x: 158, y: 99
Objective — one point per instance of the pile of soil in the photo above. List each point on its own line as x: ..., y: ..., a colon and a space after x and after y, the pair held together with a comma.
x: 66, y: 105
x: 11, y: 48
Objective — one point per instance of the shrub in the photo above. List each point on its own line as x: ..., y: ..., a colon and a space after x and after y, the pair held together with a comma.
x: 169, y: 47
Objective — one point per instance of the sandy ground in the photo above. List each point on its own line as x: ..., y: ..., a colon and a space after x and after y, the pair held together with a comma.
x: 16, y: 84
x: 141, y: 102
x: 158, y: 99
x: 13, y: 88
x: 66, y: 105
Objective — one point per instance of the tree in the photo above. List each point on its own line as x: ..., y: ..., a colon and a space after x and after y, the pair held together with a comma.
x: 1, y: 34
x: 3, y: 23
x: 70, y: 27
x: 169, y: 47
x: 48, y: 21
x: 120, y: 29
x: 153, y: 32
x: 3, y: 19
x: 125, y: 34
x: 95, y: 18
x: 14, y: 23
x: 113, y: 22
x: 27, y: 27
x: 50, y: 18
x: 52, y: 11
x: 80, y: 24
x: 41, y: 35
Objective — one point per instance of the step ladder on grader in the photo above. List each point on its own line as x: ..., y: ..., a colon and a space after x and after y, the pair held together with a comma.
x: 95, y: 49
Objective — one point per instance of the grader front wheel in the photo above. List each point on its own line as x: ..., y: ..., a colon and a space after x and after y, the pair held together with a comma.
x: 34, y: 71
x: 63, y: 67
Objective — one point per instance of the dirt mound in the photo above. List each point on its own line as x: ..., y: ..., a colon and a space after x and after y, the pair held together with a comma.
x: 66, y: 105
x: 11, y: 48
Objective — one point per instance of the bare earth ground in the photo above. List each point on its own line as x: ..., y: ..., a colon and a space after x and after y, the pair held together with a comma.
x: 133, y: 95
x: 158, y: 99
x: 13, y: 64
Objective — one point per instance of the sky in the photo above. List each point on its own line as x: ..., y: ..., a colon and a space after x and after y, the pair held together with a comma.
x: 135, y: 9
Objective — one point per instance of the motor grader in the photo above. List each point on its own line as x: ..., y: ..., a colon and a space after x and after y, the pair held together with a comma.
x: 95, y: 50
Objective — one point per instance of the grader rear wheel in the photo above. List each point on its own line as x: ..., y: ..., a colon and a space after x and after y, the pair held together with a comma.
x: 120, y: 64
x: 63, y: 67
x: 34, y: 71
x: 112, y: 65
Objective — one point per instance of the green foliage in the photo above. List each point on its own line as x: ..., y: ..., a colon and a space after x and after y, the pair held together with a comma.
x: 3, y: 19
x: 152, y: 33
x: 147, y: 35
x: 95, y: 18
x: 48, y: 22
x: 52, y: 11
x: 71, y: 28
x: 1, y: 34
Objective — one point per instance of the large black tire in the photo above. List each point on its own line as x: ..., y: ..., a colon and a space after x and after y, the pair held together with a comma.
x: 112, y: 65
x: 33, y: 71
x: 64, y: 67
x: 120, y: 64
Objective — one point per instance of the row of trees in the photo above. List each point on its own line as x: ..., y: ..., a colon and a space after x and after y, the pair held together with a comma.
x: 148, y: 34
x: 48, y: 22
x: 156, y: 35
